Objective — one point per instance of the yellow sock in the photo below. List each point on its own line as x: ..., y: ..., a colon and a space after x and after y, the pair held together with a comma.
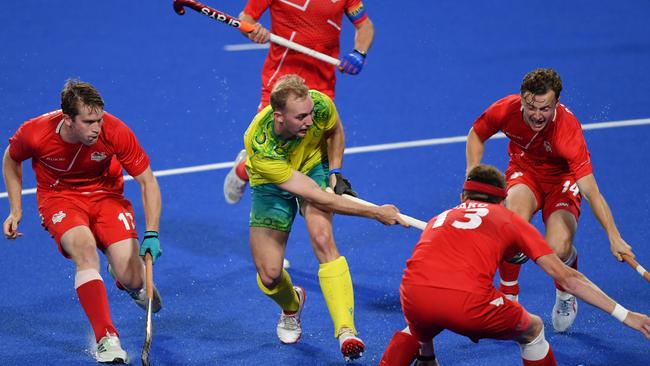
x: 336, y: 284
x: 283, y: 294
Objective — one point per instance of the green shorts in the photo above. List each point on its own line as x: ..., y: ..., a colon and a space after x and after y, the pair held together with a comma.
x: 275, y: 208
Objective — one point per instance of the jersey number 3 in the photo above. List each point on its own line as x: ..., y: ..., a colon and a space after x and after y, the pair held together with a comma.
x: 474, y: 215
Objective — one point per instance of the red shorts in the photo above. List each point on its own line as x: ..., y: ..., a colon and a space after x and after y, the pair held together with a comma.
x: 551, y: 193
x: 109, y: 216
x: 429, y: 310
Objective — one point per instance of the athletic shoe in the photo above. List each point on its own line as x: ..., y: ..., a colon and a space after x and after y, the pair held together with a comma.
x: 140, y: 296
x: 564, y: 311
x: 289, y: 329
x: 233, y: 186
x: 109, y: 350
x: 514, y: 298
x: 286, y: 264
x: 352, y: 347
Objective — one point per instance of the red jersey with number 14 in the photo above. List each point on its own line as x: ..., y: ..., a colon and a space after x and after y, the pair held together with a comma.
x: 558, y: 149
x: 315, y: 24
x: 461, y: 248
x: 61, y: 166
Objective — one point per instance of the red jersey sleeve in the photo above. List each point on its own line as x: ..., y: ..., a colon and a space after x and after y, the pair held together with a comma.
x: 127, y: 148
x: 490, y: 122
x: 21, y: 144
x: 355, y: 11
x: 572, y: 145
x: 255, y: 8
x: 528, y: 239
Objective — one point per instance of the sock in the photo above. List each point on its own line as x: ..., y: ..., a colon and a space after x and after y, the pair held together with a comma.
x: 538, y: 352
x: 548, y: 360
x: 571, y: 261
x: 241, y: 171
x: 401, y: 351
x: 92, y: 296
x: 509, y: 276
x: 283, y: 294
x: 336, y: 285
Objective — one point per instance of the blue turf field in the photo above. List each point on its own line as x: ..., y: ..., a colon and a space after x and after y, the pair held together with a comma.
x: 433, y: 68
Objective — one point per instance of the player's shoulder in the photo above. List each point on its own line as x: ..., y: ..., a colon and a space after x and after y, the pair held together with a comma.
x: 506, y: 106
x: 42, y: 124
x: 566, y: 119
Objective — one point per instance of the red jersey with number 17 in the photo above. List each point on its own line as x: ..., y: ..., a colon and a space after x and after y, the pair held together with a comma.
x: 461, y: 248
x: 315, y: 24
x: 558, y: 149
x: 61, y: 166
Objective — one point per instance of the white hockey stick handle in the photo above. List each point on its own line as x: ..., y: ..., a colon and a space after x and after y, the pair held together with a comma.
x: 302, y: 49
x: 418, y: 224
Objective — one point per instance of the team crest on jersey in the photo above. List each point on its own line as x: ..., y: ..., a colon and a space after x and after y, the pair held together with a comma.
x: 58, y: 217
x: 98, y: 156
x: 547, y: 146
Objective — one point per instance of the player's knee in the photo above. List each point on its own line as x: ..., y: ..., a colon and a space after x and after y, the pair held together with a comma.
x: 323, y: 241
x: 533, y: 331
x: 270, y: 276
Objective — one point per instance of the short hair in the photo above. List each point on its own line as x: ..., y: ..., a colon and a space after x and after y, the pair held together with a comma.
x: 487, y: 174
x: 288, y: 85
x: 540, y: 81
x: 76, y: 93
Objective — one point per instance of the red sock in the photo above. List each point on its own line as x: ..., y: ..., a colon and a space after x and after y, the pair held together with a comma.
x: 241, y: 171
x: 401, y: 350
x: 549, y: 360
x: 509, y: 272
x: 93, y: 299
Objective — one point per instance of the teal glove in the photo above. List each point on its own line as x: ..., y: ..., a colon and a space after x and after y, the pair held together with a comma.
x: 151, y: 244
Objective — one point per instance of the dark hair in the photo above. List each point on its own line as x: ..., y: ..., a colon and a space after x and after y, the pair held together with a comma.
x: 485, y: 174
x: 76, y: 93
x: 287, y: 85
x: 540, y: 81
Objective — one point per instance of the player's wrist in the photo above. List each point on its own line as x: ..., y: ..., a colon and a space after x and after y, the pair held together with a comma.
x: 619, y: 312
x: 334, y: 171
x: 150, y: 234
x: 362, y: 53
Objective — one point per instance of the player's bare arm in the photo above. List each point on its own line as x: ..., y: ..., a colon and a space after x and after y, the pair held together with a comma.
x: 589, y: 189
x: 150, y: 198
x: 473, y: 150
x: 579, y: 285
x: 303, y: 186
x: 12, y: 172
x: 335, y: 149
x: 259, y: 34
x: 363, y: 35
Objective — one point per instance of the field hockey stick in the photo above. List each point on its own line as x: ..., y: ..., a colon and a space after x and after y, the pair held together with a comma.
x: 418, y: 224
x: 148, y: 328
x: 248, y: 27
x: 636, y: 266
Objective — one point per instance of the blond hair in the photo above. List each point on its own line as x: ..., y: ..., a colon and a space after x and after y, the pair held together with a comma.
x: 287, y: 86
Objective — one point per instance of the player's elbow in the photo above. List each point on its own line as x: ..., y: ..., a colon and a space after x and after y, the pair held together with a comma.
x: 569, y: 279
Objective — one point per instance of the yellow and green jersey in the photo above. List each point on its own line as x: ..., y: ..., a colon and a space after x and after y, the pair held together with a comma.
x: 272, y: 159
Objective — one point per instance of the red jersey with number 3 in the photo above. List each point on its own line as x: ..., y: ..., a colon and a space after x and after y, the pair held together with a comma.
x: 61, y: 166
x: 315, y: 24
x: 461, y: 248
x: 558, y: 149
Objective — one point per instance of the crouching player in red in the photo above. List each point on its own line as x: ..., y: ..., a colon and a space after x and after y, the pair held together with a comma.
x: 448, y: 280
x: 77, y: 154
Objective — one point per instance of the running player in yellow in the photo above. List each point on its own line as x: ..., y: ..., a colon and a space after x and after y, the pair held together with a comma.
x: 294, y: 147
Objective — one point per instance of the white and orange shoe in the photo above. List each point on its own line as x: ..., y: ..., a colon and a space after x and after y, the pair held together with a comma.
x: 289, y: 328
x: 352, y: 347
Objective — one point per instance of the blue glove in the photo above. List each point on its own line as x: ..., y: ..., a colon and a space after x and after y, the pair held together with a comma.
x: 352, y: 63
x: 152, y: 244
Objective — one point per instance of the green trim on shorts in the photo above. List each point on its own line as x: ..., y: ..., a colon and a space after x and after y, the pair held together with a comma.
x: 274, y: 208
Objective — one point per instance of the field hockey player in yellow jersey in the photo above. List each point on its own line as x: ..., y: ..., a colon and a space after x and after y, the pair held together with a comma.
x: 292, y: 146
